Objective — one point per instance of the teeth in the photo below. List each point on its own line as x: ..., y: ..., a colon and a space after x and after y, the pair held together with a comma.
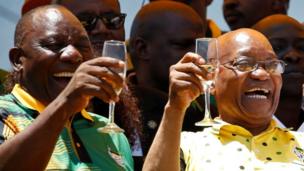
x: 64, y: 74
x: 258, y: 89
x: 257, y: 96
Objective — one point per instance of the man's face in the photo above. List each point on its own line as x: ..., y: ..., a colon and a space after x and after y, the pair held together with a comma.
x: 52, y: 52
x: 170, y: 44
x: 245, y: 13
x: 246, y: 98
x: 99, y: 31
x: 287, y: 41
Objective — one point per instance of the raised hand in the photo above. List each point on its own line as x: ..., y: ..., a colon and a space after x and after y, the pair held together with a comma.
x: 93, y: 78
x: 185, y: 85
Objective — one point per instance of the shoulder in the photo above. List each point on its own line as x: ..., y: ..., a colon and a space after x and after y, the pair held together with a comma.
x: 191, y: 141
x: 299, y: 137
x: 9, y: 104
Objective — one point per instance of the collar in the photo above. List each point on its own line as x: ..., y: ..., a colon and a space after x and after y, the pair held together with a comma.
x: 30, y: 102
x: 222, y: 125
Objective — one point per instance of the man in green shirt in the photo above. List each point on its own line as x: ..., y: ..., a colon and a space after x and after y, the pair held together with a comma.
x: 43, y: 123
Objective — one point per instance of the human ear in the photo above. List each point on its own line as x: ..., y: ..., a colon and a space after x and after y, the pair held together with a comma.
x: 141, y: 48
x: 16, y: 57
x: 280, y: 6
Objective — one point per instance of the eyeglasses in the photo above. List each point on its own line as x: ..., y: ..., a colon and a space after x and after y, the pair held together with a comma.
x: 247, y: 64
x: 111, y: 20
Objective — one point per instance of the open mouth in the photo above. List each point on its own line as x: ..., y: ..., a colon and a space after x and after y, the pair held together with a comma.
x: 257, y: 93
x: 63, y: 77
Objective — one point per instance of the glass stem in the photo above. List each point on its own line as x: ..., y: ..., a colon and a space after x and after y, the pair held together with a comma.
x: 111, y: 112
x: 207, y: 100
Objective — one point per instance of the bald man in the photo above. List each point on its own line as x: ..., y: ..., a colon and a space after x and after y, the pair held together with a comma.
x: 200, y: 6
x: 247, y: 90
x: 43, y: 121
x: 246, y: 13
x: 286, y: 36
x: 161, y: 33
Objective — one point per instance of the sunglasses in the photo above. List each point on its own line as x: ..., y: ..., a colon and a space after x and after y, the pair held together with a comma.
x: 111, y: 20
x: 247, y: 64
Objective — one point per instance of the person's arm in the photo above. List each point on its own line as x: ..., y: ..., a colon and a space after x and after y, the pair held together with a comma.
x: 32, y: 148
x: 184, y: 87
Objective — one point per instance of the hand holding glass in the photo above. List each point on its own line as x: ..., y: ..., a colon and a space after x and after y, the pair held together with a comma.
x: 117, y: 50
x: 207, y: 48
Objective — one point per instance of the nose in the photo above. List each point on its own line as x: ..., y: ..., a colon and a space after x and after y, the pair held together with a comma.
x: 292, y: 57
x: 71, y: 54
x: 260, y: 74
x: 100, y: 28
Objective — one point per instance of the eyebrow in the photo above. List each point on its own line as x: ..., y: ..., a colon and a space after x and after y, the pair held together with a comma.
x: 249, y: 51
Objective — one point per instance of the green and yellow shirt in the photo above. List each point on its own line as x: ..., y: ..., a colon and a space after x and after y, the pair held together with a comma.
x: 231, y: 147
x: 103, y: 151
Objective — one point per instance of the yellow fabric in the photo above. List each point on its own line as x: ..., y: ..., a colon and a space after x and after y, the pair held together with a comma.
x: 230, y: 147
x: 216, y: 31
x: 30, y: 102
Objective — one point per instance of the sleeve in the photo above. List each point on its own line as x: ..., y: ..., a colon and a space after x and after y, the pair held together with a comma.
x: 185, y: 148
x: 182, y: 161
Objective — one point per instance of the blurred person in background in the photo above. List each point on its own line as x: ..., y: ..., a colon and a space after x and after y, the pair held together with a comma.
x: 246, y: 13
x: 286, y: 36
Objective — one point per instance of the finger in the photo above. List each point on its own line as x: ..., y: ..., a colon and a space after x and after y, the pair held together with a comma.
x: 96, y: 91
x: 104, y: 88
x: 106, y: 74
x: 192, y: 57
x: 193, y: 79
x: 190, y: 68
x: 183, y: 86
x: 106, y: 62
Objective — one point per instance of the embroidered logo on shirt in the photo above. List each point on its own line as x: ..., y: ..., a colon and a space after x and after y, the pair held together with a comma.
x: 116, y: 157
x: 299, y: 153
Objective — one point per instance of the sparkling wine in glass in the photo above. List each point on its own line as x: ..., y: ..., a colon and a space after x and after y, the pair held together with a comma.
x: 208, y: 49
x: 115, y: 49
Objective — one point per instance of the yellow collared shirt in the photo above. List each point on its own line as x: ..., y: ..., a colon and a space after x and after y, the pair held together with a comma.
x: 230, y: 147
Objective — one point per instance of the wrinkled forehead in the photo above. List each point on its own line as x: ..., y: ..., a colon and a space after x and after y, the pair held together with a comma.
x: 244, y: 45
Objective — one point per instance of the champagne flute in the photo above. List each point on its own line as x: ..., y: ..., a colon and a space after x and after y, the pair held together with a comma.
x: 115, y: 49
x: 208, y: 49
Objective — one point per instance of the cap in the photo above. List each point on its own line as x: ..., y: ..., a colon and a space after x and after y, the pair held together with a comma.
x: 31, y: 4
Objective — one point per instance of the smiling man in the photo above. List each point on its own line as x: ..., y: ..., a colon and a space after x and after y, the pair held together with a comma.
x: 43, y: 124
x: 103, y: 20
x: 245, y: 13
x: 247, y: 90
x: 286, y: 36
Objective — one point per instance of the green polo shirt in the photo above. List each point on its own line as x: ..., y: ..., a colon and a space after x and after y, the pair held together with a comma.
x: 105, y: 151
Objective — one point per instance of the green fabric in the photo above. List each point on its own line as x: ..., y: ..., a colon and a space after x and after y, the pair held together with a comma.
x: 109, y: 152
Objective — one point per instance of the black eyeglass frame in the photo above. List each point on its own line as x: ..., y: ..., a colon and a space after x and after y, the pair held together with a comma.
x: 106, y: 18
x: 263, y: 64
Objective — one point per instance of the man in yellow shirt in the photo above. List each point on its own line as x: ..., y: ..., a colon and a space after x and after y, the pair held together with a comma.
x: 247, y: 89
